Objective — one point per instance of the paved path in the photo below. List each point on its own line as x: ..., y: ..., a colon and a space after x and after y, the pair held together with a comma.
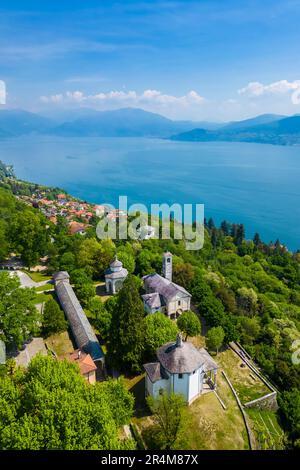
x: 26, y: 280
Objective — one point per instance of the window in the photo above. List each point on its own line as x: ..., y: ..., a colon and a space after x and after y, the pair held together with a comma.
x: 180, y: 376
x: 179, y: 302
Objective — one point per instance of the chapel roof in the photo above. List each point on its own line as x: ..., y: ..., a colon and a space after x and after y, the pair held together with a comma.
x: 180, y: 357
x: 155, y: 371
x: 163, y: 286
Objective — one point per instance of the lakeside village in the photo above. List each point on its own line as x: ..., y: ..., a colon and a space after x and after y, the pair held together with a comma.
x: 78, y: 214
x: 228, y: 402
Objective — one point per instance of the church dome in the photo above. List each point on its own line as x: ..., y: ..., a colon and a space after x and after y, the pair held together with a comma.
x: 180, y: 357
x: 116, y: 263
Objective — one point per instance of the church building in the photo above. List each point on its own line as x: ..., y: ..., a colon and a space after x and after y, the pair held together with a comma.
x: 164, y: 295
x: 115, y: 275
x: 181, y: 368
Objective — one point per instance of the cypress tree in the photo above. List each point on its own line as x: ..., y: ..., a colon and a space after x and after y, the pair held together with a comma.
x: 127, y: 336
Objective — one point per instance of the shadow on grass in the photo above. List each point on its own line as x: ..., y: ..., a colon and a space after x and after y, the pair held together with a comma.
x: 138, y: 391
x: 101, y: 290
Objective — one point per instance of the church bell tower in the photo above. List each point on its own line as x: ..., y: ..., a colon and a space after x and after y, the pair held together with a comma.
x: 167, y: 266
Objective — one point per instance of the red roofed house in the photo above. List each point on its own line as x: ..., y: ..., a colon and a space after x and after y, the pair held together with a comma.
x: 77, y: 227
x: 86, y: 364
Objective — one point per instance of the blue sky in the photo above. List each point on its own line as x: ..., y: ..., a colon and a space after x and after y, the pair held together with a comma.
x: 205, y: 59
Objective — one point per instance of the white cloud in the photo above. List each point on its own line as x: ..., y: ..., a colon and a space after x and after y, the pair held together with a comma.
x: 128, y: 98
x: 2, y: 92
x: 259, y: 89
x: 52, y: 99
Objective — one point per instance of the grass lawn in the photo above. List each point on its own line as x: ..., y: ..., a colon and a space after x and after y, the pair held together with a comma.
x: 60, y: 343
x: 248, y: 387
x: 46, y: 287
x: 266, y: 427
x: 44, y: 296
x: 37, y: 276
x: 208, y: 426
x: 205, y: 424
x: 198, y: 341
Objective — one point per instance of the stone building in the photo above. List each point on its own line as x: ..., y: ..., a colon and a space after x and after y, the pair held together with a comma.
x: 85, y: 363
x: 162, y: 294
x: 181, y: 368
x: 82, y: 331
x: 115, y: 275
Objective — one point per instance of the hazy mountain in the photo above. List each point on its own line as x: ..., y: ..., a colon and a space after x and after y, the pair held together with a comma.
x: 85, y: 122
x: 278, y: 132
x: 135, y: 122
x: 60, y: 116
x: 18, y: 122
x: 125, y: 122
x: 288, y: 125
x: 258, y: 120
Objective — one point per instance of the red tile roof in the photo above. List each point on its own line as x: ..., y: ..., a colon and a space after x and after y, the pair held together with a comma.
x: 85, y: 362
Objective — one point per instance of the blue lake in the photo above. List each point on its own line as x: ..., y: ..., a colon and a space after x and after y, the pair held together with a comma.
x: 258, y: 185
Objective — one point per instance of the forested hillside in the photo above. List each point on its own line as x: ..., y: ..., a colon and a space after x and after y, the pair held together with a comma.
x: 249, y: 288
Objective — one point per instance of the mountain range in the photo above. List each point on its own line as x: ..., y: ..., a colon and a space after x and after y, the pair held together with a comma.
x: 134, y: 122
x: 84, y: 122
x: 267, y: 128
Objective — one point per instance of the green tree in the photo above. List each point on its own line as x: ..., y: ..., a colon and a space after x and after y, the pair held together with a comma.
x: 168, y: 416
x: 209, y: 306
x: 183, y: 274
x: 4, y: 245
x: 83, y: 285
x: 67, y: 262
x: 127, y: 333
x: 189, y: 324
x: 247, y: 300
x: 53, y: 318
x: 215, y: 338
x: 159, y: 330
x: 29, y: 235
x: 250, y: 329
x: 289, y: 403
x: 94, y: 256
x: 102, y: 317
x: 19, y: 319
x: 51, y: 406
x: 127, y: 259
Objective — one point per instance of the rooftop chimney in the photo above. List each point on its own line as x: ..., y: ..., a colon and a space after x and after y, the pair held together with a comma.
x: 179, y: 343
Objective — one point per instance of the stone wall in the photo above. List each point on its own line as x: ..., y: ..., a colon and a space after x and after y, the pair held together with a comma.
x: 267, y: 402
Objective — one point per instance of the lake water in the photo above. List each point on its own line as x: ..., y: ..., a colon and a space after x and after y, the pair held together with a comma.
x: 258, y: 185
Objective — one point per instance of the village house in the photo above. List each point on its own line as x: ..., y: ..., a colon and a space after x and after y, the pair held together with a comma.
x: 181, y: 368
x: 115, y: 214
x: 115, y: 275
x: 86, y: 364
x: 77, y: 228
x: 163, y: 295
